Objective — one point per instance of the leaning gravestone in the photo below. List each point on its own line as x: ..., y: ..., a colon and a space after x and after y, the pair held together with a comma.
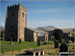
x: 63, y: 48
x: 38, y: 42
x: 19, y: 40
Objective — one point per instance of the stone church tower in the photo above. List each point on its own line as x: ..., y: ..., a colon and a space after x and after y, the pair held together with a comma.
x: 16, y: 21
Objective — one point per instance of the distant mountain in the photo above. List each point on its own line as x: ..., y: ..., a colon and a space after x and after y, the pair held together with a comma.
x: 47, y: 28
x: 51, y: 28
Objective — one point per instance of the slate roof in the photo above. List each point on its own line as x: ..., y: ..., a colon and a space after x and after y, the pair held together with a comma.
x: 40, y: 32
x: 37, y: 30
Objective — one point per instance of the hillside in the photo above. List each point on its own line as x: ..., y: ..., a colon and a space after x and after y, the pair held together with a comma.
x: 47, y: 28
x: 51, y: 28
x: 68, y: 29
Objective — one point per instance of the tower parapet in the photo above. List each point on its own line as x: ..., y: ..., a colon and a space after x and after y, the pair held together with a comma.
x: 13, y: 7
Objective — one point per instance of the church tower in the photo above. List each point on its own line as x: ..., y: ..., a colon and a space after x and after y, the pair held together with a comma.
x: 16, y: 22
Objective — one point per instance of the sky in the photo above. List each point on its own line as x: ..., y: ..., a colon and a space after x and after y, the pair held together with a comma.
x: 57, y: 13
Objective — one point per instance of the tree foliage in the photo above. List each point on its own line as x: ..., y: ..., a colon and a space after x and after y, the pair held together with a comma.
x: 58, y: 33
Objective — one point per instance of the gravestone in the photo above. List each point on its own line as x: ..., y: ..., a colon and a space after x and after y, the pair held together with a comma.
x: 56, y: 43
x: 63, y: 48
x: 45, y: 43
x: 11, y: 43
x: 60, y: 40
x: 67, y: 42
x: 72, y: 39
x: 38, y: 42
x: 19, y: 40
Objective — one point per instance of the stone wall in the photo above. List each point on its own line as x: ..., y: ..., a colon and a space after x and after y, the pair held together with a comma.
x: 22, y: 22
x: 29, y: 34
x: 35, y: 36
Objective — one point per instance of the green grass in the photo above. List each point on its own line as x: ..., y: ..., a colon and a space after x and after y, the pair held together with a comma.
x: 49, y: 49
x: 6, y: 47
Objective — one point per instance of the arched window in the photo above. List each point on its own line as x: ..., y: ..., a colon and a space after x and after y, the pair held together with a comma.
x: 22, y: 14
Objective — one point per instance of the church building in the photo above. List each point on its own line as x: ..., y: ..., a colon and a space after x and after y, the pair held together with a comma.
x: 16, y: 25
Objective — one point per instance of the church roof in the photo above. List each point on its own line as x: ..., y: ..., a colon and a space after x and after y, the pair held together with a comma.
x: 36, y: 30
x: 40, y: 32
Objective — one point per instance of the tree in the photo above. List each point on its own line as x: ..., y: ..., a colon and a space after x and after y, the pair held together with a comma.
x: 58, y: 33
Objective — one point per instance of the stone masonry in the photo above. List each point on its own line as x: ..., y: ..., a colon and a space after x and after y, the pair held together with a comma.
x: 16, y: 22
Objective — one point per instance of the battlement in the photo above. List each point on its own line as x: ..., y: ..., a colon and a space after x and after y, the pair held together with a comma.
x: 13, y: 5
x: 16, y: 6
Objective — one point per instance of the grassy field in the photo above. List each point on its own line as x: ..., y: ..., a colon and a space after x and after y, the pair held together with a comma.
x: 5, y: 46
x: 49, y: 49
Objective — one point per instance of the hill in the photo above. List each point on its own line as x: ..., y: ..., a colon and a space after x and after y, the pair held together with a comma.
x: 47, y: 28
x: 51, y: 28
x: 68, y: 29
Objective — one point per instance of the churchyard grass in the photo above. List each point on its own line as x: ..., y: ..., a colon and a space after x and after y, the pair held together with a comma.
x: 49, y: 49
x: 6, y: 47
